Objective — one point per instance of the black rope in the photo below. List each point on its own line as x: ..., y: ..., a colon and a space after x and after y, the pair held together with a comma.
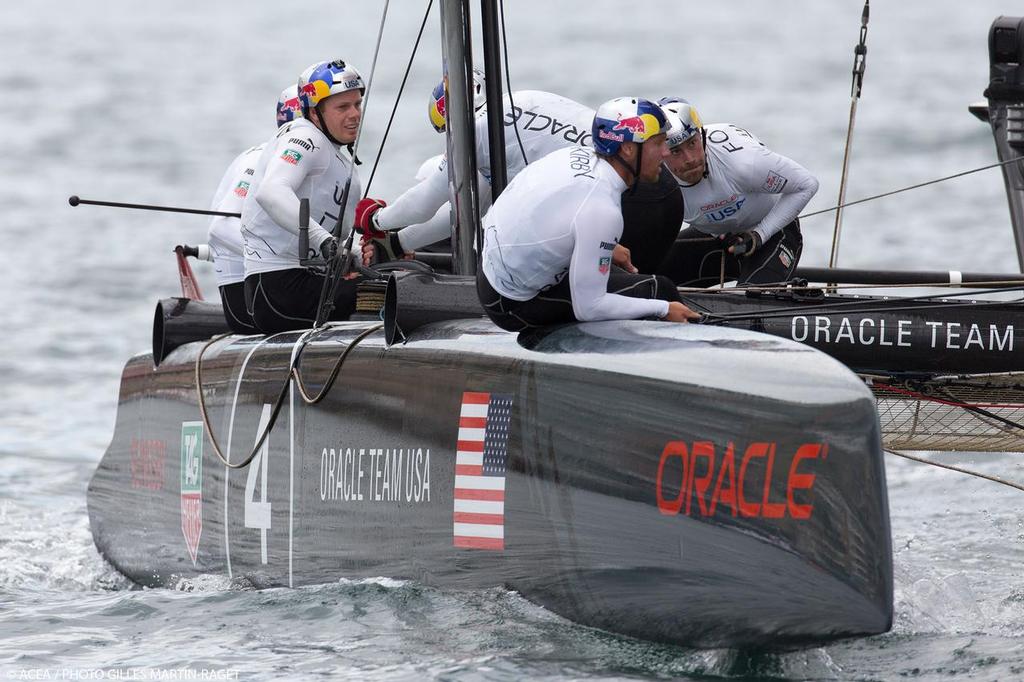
x: 398, y: 98
x: 293, y: 372
x: 961, y: 470
x: 508, y: 83
x: 981, y: 411
x: 907, y: 189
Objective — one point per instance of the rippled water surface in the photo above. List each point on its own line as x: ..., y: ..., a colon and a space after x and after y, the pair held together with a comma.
x: 148, y: 102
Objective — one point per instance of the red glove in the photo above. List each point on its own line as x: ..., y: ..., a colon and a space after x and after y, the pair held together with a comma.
x: 364, y: 214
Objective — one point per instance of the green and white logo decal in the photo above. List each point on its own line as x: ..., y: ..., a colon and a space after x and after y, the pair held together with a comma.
x: 192, y: 486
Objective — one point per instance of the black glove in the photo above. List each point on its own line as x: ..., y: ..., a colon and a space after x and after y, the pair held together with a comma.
x: 328, y: 248
x: 388, y: 248
x: 746, y: 243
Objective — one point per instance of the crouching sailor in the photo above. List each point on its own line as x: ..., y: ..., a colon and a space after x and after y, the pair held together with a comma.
x: 551, y: 250
x: 303, y: 160
x: 742, y: 195
x: 538, y: 124
x: 225, y: 237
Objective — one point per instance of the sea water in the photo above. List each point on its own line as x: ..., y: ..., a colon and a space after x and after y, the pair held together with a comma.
x: 149, y: 102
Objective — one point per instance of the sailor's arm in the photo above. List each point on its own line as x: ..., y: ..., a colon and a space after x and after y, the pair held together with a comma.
x: 439, y: 227
x: 774, y: 173
x: 418, y: 204
x: 596, y: 232
x: 434, y: 230
x: 277, y: 193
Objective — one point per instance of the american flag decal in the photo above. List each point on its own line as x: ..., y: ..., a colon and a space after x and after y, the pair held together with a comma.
x: 480, y: 459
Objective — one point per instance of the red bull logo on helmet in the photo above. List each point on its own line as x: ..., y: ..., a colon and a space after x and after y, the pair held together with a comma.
x: 437, y: 112
x: 315, y: 91
x: 641, y: 126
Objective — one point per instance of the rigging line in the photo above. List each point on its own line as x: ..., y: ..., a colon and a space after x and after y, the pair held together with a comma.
x: 961, y: 470
x: 942, y: 401
x: 907, y: 189
x: 398, y: 98
x: 206, y: 417
x: 340, y: 263
x: 860, y: 52
x: 881, y: 305
x: 990, y: 415
x: 369, y: 83
x: 293, y: 371
x: 977, y: 409
x: 334, y: 372
x: 508, y: 83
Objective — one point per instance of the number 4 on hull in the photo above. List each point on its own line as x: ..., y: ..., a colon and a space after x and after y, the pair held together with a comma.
x: 257, y: 511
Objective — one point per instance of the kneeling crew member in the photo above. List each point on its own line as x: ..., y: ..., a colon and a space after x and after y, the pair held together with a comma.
x: 303, y: 160
x: 740, y: 192
x: 541, y: 122
x: 551, y: 238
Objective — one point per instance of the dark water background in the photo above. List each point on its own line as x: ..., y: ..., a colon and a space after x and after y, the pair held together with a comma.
x: 148, y: 102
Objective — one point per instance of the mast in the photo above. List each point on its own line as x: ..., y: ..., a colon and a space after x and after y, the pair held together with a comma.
x: 1005, y: 95
x: 495, y: 106
x: 457, y: 56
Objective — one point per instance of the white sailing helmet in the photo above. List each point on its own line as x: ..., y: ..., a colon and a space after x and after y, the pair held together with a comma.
x: 687, y: 117
x: 437, y: 107
x: 288, y: 106
x: 676, y: 134
x: 323, y: 79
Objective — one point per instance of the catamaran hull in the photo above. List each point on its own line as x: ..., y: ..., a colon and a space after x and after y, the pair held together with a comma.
x: 702, y: 486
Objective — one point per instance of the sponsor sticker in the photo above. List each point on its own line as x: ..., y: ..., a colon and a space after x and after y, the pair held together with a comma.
x: 701, y: 478
x: 785, y: 257
x: 607, y: 245
x: 147, y: 463
x: 603, y: 264
x: 291, y: 156
x: 480, y: 463
x: 242, y: 189
x: 192, y: 485
x: 306, y: 144
x: 608, y: 135
x: 774, y: 183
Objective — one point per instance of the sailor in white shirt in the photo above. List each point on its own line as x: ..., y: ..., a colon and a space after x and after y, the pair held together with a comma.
x: 741, y: 197
x: 304, y: 160
x: 225, y: 238
x: 551, y: 253
x: 537, y: 124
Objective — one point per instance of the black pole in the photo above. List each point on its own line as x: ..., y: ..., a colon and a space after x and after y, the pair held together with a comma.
x: 495, y: 108
x: 75, y: 201
x: 922, y: 277
x: 457, y: 54
x: 1005, y: 95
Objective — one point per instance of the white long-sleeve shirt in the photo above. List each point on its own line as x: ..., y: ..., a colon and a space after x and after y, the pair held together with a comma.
x: 225, y: 238
x: 545, y: 122
x: 749, y: 187
x: 561, y: 217
x: 299, y: 162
